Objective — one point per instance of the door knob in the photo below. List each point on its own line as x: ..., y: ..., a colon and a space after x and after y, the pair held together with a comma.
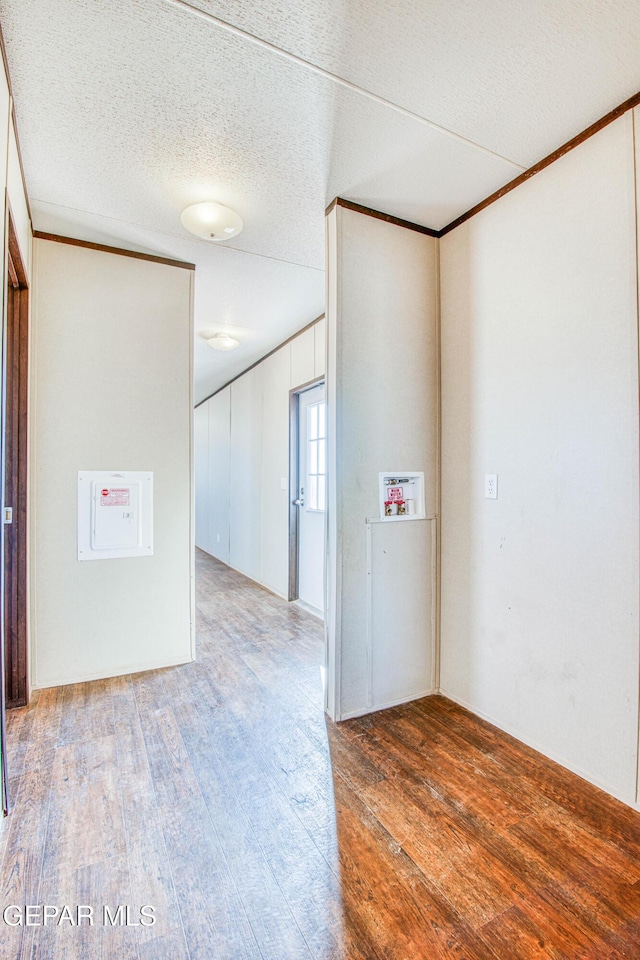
x: 299, y: 502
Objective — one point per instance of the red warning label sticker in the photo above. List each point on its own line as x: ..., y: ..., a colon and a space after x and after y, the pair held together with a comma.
x: 115, y: 497
x: 395, y: 493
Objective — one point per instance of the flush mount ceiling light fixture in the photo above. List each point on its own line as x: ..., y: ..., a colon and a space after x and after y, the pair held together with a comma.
x: 211, y: 221
x: 222, y: 341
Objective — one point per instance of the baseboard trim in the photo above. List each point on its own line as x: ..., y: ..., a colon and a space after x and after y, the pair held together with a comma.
x: 353, y: 714
x: 528, y: 742
x: 88, y: 678
x: 313, y: 611
x: 258, y: 583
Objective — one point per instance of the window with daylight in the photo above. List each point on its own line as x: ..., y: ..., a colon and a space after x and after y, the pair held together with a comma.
x: 316, y: 457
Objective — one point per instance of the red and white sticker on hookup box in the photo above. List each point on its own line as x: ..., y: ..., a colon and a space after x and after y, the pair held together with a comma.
x: 115, y: 497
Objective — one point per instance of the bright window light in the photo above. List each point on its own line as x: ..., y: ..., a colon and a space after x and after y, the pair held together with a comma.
x: 316, y: 458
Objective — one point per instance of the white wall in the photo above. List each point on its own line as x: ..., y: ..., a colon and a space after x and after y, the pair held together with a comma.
x: 245, y: 480
x: 382, y: 405
x: 201, y: 476
x: 275, y: 467
x: 14, y: 186
x: 219, y: 452
x: 303, y: 357
x: 111, y: 390
x: 17, y: 200
x: 248, y: 454
x: 539, y: 313
x: 12, y: 189
x: 540, y: 385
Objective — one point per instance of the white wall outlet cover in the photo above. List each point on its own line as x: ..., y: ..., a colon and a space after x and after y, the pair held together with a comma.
x: 491, y: 486
x: 115, y: 514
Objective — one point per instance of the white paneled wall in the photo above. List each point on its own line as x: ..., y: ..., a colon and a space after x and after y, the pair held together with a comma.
x: 12, y: 191
x: 320, y: 347
x: 303, y: 357
x: 17, y: 200
x: 14, y: 185
x: 242, y: 459
x: 382, y: 403
x: 275, y: 469
x: 113, y: 616
x: 201, y: 475
x: 245, y: 474
x: 219, y: 452
x: 540, y: 385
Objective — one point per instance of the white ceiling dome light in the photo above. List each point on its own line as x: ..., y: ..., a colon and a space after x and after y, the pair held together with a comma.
x: 211, y: 221
x: 222, y: 341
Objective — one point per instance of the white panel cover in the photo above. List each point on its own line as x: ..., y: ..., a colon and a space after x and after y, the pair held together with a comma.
x: 115, y: 514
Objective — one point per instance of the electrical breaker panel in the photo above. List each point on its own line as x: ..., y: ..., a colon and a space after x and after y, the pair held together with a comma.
x: 115, y: 514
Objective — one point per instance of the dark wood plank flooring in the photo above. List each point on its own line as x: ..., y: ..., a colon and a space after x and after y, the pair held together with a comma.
x: 218, y: 793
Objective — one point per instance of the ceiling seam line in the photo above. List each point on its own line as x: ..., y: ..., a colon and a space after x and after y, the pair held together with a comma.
x: 177, y: 236
x: 347, y: 84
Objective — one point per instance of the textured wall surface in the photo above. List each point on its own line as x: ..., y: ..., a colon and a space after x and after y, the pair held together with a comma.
x: 382, y: 404
x: 108, y: 393
x: 540, y: 385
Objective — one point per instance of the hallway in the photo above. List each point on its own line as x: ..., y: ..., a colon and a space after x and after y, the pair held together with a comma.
x: 206, y: 792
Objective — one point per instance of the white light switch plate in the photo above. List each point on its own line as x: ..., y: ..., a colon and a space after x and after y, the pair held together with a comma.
x: 491, y: 486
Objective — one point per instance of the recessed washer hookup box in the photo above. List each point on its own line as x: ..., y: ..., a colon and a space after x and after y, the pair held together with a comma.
x: 401, y: 495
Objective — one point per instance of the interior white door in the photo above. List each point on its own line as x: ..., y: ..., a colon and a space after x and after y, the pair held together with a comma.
x: 312, y: 495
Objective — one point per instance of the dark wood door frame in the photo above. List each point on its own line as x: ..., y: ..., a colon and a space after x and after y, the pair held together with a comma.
x: 15, y: 476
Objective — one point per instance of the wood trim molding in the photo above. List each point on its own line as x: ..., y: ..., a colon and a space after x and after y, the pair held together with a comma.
x: 309, y: 385
x: 15, y: 257
x: 604, y: 121
x: 293, y: 336
x: 13, y: 273
x: 104, y: 248
x: 15, y: 429
x: 545, y: 162
x: 379, y: 215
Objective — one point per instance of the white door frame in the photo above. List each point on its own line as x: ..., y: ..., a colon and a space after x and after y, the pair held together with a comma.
x: 294, y: 479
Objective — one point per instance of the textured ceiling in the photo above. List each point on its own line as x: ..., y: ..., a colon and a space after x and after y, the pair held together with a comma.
x: 519, y: 77
x: 129, y: 111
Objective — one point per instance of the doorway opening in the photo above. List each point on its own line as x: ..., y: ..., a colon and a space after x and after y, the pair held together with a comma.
x: 14, y: 688
x: 308, y: 486
x: 15, y: 375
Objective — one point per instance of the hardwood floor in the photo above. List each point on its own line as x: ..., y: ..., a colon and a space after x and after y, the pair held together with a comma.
x: 218, y: 794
